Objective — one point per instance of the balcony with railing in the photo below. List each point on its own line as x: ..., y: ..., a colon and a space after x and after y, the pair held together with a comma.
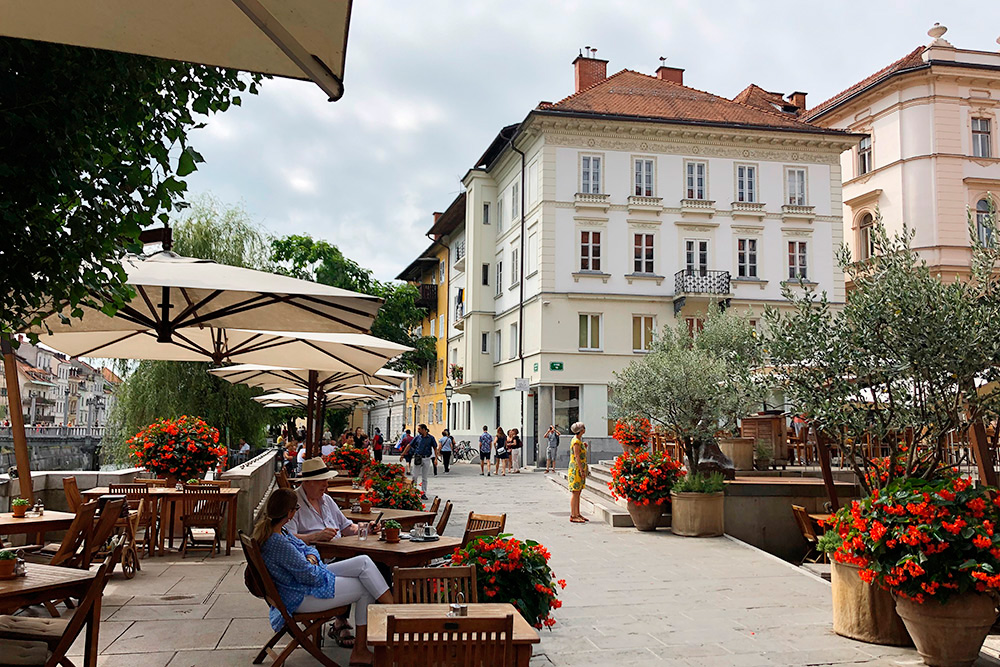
x: 789, y: 211
x: 428, y: 296
x: 696, y: 281
x: 592, y: 200
x: 459, y: 315
x: 460, y: 256
x: 748, y: 208
x: 642, y: 203
x: 698, y: 207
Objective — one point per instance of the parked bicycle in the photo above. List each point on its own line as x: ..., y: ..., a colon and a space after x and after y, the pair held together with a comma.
x: 464, y: 452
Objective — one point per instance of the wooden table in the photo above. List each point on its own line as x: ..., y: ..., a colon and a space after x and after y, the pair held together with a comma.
x: 45, y: 583
x: 823, y: 520
x: 406, y: 518
x: 167, y: 499
x: 524, y: 634
x: 405, y: 553
x: 35, y: 525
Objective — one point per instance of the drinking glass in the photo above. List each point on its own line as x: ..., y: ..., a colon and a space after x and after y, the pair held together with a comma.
x: 363, y: 531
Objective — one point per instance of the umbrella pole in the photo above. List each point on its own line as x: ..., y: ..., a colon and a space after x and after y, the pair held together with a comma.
x: 311, y: 416
x: 17, y: 420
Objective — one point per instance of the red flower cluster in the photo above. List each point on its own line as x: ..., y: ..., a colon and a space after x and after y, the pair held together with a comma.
x: 183, y: 448
x: 644, y: 477
x: 923, y: 539
x: 508, y: 570
x: 632, y: 433
x: 350, y: 458
x: 385, y: 472
x: 386, y: 486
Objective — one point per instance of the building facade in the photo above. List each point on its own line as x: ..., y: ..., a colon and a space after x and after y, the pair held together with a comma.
x: 931, y: 157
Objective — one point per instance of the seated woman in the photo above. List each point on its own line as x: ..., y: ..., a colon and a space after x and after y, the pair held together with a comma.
x: 305, y: 584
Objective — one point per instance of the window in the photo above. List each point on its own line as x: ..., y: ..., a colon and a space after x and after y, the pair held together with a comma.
x: 642, y: 254
x: 532, y: 259
x: 694, y: 325
x: 486, y: 213
x: 513, y: 341
x: 442, y: 331
x: 696, y: 179
x: 590, y: 174
x: 643, y: 177
x: 500, y: 214
x: 696, y: 256
x: 643, y: 327
x: 590, y: 251
x: 441, y: 272
x: 460, y: 304
x: 746, y: 183
x: 441, y: 375
x: 431, y: 373
x: 796, y: 186
x: 590, y: 332
x: 746, y: 258
x: 514, y: 267
x: 515, y: 201
x: 499, y: 277
x: 985, y: 214
x: 797, y: 260
x: 486, y: 273
x: 865, y: 156
x: 439, y: 413
x: 981, y: 137
x: 496, y: 346
x: 433, y: 333
x: 484, y: 343
x: 866, y: 240
x: 566, y: 407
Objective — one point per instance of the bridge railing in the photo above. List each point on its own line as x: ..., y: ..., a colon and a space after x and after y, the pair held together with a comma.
x: 56, y: 431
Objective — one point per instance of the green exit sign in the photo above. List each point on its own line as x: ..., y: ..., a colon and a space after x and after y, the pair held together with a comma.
x: 555, y: 365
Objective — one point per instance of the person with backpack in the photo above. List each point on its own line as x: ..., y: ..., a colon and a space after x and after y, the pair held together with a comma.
x: 445, y: 445
x: 377, y: 442
x: 485, y: 445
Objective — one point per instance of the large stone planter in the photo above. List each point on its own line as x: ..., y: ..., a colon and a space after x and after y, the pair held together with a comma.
x: 739, y: 451
x: 949, y: 634
x: 698, y: 514
x: 645, y: 517
x: 864, y: 612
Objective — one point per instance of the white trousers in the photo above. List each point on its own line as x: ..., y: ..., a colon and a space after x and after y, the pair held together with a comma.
x: 515, y: 459
x: 358, y: 582
x: 425, y: 472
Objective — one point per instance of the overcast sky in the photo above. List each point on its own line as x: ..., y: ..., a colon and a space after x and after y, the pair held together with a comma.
x: 429, y: 84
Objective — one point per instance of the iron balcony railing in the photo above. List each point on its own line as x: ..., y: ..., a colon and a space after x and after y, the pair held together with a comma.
x: 697, y: 281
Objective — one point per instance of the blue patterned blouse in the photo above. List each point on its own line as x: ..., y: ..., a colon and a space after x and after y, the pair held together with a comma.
x: 294, y: 576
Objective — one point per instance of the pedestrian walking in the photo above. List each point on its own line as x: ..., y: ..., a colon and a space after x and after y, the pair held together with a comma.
x: 578, y: 471
x: 552, y: 448
x: 377, y: 441
x: 502, y: 458
x: 515, y: 447
x: 445, y: 446
x: 424, y: 448
x: 360, y: 438
x: 403, y: 444
x: 485, y: 445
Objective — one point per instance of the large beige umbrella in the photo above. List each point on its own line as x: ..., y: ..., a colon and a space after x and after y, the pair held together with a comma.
x: 299, y: 39
x: 277, y: 377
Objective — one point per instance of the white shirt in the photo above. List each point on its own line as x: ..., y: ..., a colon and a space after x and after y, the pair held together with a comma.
x: 308, y: 520
x: 326, y: 450
x: 245, y: 447
x: 301, y: 456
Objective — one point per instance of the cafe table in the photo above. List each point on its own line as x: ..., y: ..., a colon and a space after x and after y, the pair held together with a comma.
x: 406, y: 518
x: 524, y: 635
x: 405, y: 553
x: 30, y: 524
x: 44, y: 583
x: 167, y: 498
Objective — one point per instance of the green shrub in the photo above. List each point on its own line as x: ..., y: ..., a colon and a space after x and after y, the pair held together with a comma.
x: 700, y: 483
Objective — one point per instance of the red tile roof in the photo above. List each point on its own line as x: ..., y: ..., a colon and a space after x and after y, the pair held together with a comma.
x: 912, y: 59
x: 636, y: 95
x: 755, y: 96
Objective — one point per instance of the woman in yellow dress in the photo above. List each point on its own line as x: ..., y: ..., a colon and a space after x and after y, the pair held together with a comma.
x: 578, y: 471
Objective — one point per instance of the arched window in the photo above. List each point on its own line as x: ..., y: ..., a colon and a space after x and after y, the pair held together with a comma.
x: 985, y: 214
x: 866, y: 239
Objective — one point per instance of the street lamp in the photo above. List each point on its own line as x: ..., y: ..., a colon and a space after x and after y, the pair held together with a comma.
x: 449, y: 391
x: 416, y: 397
x: 388, y: 419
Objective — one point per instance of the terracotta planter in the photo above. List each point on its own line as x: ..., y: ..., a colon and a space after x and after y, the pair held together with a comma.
x: 366, y: 508
x: 949, y: 634
x: 19, y: 511
x: 698, y: 514
x: 739, y: 451
x: 645, y: 517
x: 391, y: 535
x: 864, y: 612
x: 7, y: 568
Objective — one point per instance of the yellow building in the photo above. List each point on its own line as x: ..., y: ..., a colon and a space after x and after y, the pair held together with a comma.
x: 425, y: 393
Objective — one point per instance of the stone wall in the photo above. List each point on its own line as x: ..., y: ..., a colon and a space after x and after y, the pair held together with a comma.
x: 56, y: 453
x: 255, y: 478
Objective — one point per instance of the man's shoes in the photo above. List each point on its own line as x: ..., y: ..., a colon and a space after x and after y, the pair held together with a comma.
x: 423, y: 496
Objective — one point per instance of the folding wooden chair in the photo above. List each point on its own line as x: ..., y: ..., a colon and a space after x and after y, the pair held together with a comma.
x: 281, y: 479
x: 435, y: 504
x: 73, y: 497
x: 144, y: 505
x: 104, y: 528
x: 431, y: 585
x: 443, y: 520
x: 480, y: 521
x: 203, y: 510
x: 72, y: 551
x: 304, y: 629
x: 809, y: 534
x: 462, y: 641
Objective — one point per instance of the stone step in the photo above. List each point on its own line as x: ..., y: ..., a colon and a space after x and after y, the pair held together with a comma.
x: 598, y: 497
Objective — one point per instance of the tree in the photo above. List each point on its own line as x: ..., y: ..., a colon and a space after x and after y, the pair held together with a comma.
x: 906, y: 358
x: 695, y: 385
x: 93, y: 147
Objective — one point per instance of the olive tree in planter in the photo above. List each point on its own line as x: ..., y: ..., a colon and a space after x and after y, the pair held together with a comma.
x: 694, y: 386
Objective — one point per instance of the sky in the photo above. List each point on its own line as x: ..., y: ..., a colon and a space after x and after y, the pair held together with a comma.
x: 429, y: 83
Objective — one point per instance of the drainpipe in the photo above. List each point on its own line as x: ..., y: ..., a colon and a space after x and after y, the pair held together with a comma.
x: 447, y: 312
x: 520, y: 290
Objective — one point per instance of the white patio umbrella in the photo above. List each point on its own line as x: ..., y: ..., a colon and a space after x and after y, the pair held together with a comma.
x: 299, y: 39
x: 277, y: 377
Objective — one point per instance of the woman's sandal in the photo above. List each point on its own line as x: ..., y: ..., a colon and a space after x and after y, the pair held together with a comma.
x: 577, y: 519
x: 337, y: 634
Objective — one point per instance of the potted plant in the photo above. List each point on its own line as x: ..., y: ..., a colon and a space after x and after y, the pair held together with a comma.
x: 698, y: 505
x: 366, y: 504
x: 19, y: 506
x: 194, y: 481
x: 763, y: 452
x: 8, y: 562
x: 632, y: 433
x: 644, y: 479
x: 176, y: 449
x: 388, y: 486
x: 390, y: 529
x: 509, y: 570
x: 350, y: 458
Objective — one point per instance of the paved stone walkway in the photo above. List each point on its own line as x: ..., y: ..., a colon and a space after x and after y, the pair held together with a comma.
x: 632, y: 598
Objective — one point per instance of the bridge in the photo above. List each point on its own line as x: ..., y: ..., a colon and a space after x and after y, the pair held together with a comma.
x: 55, y: 447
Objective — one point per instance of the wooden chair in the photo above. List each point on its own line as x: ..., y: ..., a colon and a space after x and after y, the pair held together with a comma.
x: 104, y: 528
x: 445, y: 515
x: 202, y: 509
x: 151, y: 481
x: 221, y: 483
x: 462, y: 641
x: 58, y: 634
x: 809, y: 534
x: 144, y: 505
x: 72, y: 551
x: 281, y: 479
x: 435, y: 504
x: 480, y: 521
x: 16, y: 653
x: 432, y: 585
x: 304, y: 629
x: 476, y: 533
x: 73, y: 497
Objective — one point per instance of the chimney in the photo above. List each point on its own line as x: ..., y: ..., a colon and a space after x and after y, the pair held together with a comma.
x: 674, y: 74
x: 798, y: 98
x: 588, y: 69
x: 437, y: 216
